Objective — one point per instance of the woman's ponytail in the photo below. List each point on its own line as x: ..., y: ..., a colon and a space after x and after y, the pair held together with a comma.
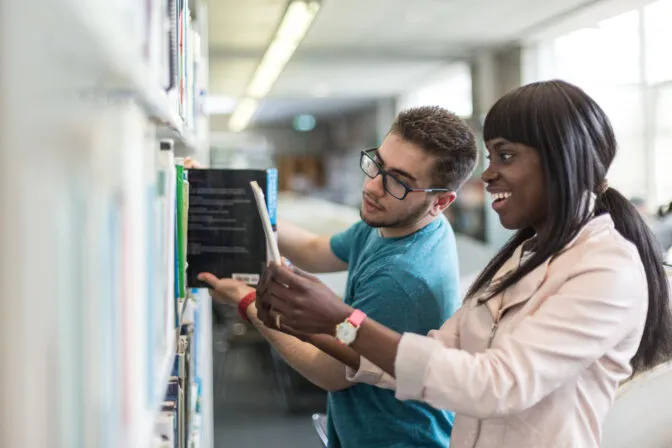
x: 656, y: 343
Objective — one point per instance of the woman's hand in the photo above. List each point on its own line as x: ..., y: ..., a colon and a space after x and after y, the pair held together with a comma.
x: 299, y: 302
x: 226, y: 290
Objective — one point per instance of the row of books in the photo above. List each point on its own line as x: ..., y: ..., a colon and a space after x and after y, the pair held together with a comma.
x: 119, y: 331
x: 209, y: 219
x: 174, y: 312
x: 171, y: 49
x: 110, y: 212
x: 134, y: 249
x: 179, y: 420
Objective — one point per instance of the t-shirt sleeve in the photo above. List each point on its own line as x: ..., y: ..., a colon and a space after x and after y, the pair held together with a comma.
x: 384, y: 299
x: 342, y: 243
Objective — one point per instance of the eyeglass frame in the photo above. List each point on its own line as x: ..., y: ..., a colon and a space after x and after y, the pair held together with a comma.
x: 381, y: 171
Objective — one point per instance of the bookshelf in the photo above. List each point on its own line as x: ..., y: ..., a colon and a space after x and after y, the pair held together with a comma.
x: 92, y: 334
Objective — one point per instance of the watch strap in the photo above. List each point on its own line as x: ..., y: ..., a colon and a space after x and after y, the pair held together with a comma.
x: 356, y: 318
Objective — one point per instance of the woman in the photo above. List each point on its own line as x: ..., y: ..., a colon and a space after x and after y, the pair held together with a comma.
x: 575, y: 303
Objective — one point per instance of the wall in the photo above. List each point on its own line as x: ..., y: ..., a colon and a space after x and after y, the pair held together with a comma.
x: 336, y: 140
x: 347, y: 135
x: 494, y: 72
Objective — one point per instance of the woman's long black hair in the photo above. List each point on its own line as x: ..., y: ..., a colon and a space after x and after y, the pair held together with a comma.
x: 576, y: 145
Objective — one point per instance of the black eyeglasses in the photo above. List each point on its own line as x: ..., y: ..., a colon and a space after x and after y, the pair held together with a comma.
x: 395, y: 187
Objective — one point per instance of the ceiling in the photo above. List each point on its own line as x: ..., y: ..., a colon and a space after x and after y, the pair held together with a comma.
x: 359, y: 50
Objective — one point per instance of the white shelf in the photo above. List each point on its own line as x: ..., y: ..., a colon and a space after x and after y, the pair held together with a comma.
x: 155, y: 101
x: 82, y: 107
x: 111, y: 63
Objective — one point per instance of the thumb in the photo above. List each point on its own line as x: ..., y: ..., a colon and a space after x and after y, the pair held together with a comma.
x: 208, y: 278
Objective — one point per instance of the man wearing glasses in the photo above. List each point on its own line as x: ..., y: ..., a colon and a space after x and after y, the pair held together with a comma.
x: 402, y: 268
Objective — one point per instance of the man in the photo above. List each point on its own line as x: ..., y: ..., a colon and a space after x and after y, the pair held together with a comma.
x: 402, y: 264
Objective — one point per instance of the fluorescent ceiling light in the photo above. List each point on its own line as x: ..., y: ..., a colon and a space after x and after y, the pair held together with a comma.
x: 269, y: 69
x: 243, y: 114
x: 293, y: 27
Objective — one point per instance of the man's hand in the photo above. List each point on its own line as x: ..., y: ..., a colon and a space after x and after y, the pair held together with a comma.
x: 226, y: 290
x: 192, y: 164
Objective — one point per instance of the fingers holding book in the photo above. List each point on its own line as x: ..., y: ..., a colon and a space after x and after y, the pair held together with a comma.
x: 303, y: 301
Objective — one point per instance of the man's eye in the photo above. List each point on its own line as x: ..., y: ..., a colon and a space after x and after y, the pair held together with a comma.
x: 505, y: 156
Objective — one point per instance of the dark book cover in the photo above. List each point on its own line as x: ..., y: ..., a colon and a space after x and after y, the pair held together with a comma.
x: 225, y: 235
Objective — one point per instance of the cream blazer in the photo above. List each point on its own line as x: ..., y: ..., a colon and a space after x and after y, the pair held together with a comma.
x: 538, y: 365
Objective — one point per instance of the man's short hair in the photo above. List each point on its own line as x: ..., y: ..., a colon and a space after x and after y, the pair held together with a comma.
x: 444, y: 135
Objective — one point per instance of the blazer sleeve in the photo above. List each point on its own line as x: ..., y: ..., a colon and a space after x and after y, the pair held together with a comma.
x: 369, y: 373
x: 597, y: 306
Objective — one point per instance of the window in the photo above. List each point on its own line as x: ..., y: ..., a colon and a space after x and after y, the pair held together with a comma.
x: 625, y: 108
x: 614, y: 42
x: 662, y: 144
x: 657, y: 40
x: 634, y: 87
x: 449, y: 88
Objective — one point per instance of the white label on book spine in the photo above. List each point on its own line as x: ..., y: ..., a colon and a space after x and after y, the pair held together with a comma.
x: 250, y: 279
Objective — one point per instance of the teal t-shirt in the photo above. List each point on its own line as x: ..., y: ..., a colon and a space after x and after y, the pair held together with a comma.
x: 409, y: 284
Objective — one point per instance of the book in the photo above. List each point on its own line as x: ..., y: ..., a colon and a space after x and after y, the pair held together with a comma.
x: 226, y: 235
x: 182, y: 204
x: 269, y: 232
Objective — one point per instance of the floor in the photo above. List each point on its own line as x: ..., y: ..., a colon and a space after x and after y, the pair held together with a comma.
x: 249, y: 407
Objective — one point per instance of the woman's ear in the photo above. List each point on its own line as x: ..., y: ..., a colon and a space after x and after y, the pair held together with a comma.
x: 442, y: 201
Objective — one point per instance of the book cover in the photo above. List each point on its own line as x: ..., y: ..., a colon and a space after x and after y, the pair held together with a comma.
x: 226, y: 236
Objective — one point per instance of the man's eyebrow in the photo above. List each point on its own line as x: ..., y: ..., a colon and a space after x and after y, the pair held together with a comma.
x: 395, y: 170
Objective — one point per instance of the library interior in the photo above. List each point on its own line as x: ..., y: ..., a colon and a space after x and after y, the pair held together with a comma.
x: 234, y: 223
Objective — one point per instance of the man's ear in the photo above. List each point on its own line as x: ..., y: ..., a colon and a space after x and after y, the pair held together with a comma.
x: 442, y: 201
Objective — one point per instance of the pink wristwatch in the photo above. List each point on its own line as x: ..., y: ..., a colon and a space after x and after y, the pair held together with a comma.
x: 346, y: 331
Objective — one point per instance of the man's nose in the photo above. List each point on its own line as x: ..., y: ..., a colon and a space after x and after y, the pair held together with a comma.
x: 375, y: 186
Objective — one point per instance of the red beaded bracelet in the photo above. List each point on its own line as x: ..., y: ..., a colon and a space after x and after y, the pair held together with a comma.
x: 244, y: 304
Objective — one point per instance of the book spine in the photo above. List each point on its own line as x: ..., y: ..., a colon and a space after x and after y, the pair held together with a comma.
x: 181, y: 236
x: 153, y: 277
x: 272, y: 204
x: 185, y: 225
x: 272, y: 195
x: 172, y: 46
x: 166, y: 163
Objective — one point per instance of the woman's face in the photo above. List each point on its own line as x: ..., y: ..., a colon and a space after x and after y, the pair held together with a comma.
x: 516, y: 184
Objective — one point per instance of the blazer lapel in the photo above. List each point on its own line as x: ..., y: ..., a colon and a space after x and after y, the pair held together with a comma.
x: 494, y: 304
x: 525, y: 288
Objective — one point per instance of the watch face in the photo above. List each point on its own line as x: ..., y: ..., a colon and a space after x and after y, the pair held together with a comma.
x: 346, y: 333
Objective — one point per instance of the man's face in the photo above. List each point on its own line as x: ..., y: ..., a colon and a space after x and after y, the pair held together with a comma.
x: 413, y: 166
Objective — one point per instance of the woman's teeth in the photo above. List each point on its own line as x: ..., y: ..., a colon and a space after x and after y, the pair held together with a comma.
x: 498, y: 196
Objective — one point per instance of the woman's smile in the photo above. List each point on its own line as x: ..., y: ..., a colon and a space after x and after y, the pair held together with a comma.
x: 499, y: 200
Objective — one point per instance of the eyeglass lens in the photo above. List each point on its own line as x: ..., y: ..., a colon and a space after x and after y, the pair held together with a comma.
x: 391, y: 184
